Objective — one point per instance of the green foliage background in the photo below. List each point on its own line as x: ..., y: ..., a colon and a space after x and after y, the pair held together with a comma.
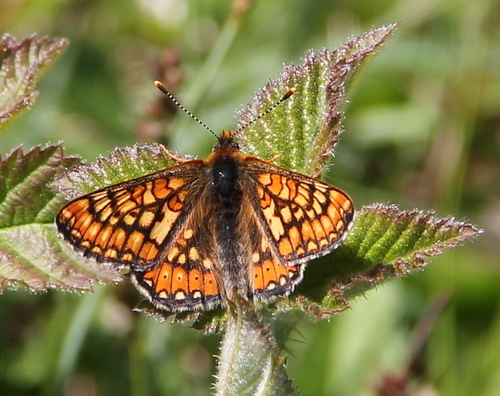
x: 423, y: 130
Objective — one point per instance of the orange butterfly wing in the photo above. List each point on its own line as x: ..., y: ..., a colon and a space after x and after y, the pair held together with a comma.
x: 147, y: 224
x: 301, y: 218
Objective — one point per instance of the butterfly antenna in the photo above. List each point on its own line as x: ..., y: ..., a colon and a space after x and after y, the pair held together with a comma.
x: 289, y: 93
x: 162, y: 88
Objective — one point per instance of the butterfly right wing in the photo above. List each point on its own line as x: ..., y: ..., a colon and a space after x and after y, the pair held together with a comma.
x: 128, y: 223
x: 151, y: 226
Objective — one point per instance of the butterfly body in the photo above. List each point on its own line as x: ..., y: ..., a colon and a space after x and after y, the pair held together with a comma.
x: 196, y: 234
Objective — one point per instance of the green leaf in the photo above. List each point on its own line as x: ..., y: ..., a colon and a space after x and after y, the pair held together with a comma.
x: 123, y: 164
x: 31, y: 252
x: 21, y: 65
x: 300, y: 134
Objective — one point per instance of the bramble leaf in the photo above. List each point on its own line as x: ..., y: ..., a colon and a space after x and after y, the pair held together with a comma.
x: 301, y: 133
x: 31, y: 252
x: 21, y: 65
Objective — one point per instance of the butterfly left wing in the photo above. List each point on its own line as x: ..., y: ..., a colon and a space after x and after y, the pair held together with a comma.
x: 301, y: 218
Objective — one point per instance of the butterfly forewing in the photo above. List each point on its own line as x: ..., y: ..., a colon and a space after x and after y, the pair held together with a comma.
x: 129, y: 223
x: 303, y: 217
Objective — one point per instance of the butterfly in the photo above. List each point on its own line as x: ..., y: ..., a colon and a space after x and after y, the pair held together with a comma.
x: 197, y: 234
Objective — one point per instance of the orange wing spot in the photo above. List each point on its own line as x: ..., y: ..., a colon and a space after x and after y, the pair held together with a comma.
x: 276, y: 226
x: 276, y: 185
x: 207, y: 263
x: 148, y: 252
x: 300, y: 200
x: 128, y: 257
x: 146, y: 218
x: 85, y: 244
x: 285, y: 247
x: 258, y: 278
x: 300, y: 251
x: 103, y: 237
x: 292, y: 185
x: 320, y: 197
x: 118, y: 238
x: 298, y: 213
x: 127, y: 205
x: 347, y: 205
x: 307, y: 231
x: 176, y: 183
x: 271, y: 274
x: 188, y: 233
x: 172, y: 254
x: 175, y: 204
x: 135, y: 241
x: 193, y: 254
x: 92, y: 231
x: 76, y: 234
x: 160, y: 188
x: 327, y: 224
x: 130, y: 218
x: 162, y: 228
x: 210, y: 285
x: 295, y: 237
x: 265, y: 179
x: 285, y: 191
x: 111, y: 253
x: 105, y: 214
x: 333, y: 213
x: 286, y: 213
x: 83, y: 222
x: 318, y: 229
x: 317, y: 207
x: 164, y: 278
x: 148, y: 197
x: 195, y: 279
x: 312, y: 246
x: 181, y: 259
x: 66, y: 215
x: 265, y: 200
x: 96, y: 250
x: 100, y: 202
x: 75, y: 207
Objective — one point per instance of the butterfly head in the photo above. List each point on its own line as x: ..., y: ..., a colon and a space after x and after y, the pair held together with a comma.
x: 226, y: 140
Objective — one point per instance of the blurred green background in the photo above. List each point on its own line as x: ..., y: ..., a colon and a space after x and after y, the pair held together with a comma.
x: 422, y: 130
